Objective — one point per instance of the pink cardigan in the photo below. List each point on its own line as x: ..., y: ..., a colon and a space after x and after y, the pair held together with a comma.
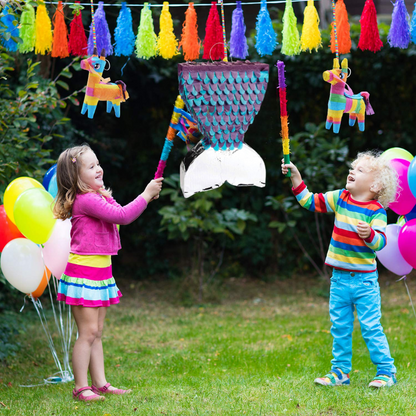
x: 94, y: 219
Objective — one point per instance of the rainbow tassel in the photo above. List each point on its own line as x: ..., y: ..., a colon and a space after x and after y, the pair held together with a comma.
x: 238, y: 40
x: 343, y: 29
x: 266, y: 37
x: 190, y: 42
x: 311, y: 36
x: 413, y: 26
x: 399, y: 33
x: 77, y: 43
x: 369, y: 36
x: 27, y: 29
x: 9, y: 23
x: 102, y: 33
x: 290, y: 40
x: 167, y: 44
x: 214, y: 41
x: 43, y: 30
x: 60, y: 34
x: 124, y: 36
x: 146, y: 36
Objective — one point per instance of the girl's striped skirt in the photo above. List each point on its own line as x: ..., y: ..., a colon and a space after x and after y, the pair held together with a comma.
x: 88, y: 281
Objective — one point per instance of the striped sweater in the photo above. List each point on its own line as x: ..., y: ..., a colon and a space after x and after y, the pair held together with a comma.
x: 347, y: 250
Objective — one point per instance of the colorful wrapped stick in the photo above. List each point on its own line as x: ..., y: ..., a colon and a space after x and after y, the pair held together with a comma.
x: 283, y: 113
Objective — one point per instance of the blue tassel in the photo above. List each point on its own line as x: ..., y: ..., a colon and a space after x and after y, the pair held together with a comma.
x: 399, y: 34
x: 266, y: 37
x: 124, y: 35
x: 413, y: 26
x: 238, y: 41
x: 7, y: 19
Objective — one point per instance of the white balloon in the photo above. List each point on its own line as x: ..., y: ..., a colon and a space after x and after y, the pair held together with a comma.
x: 57, y: 248
x: 22, y: 264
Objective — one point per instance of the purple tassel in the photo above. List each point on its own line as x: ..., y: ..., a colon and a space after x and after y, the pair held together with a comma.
x: 238, y: 41
x: 399, y: 34
x: 102, y: 33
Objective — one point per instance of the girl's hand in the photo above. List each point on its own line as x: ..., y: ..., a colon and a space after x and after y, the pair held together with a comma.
x: 152, y: 190
x: 295, y: 177
x: 363, y: 230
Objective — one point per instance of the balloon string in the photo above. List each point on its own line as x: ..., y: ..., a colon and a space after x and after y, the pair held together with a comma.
x: 408, y: 292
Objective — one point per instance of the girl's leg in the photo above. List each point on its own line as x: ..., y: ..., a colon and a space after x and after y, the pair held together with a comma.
x: 87, y: 324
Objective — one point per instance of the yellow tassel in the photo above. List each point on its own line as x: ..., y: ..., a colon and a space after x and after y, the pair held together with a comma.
x: 311, y: 36
x: 167, y: 44
x: 43, y: 30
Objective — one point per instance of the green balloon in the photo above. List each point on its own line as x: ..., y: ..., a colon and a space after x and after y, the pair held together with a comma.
x: 33, y: 214
x: 397, y: 153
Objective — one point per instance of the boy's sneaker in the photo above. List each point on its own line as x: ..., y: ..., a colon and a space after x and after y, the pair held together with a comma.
x: 383, y: 380
x: 334, y: 378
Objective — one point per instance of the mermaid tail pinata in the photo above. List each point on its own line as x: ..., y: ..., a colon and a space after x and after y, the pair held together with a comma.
x: 223, y: 98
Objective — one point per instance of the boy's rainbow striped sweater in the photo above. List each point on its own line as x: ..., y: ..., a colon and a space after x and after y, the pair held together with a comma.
x: 347, y: 250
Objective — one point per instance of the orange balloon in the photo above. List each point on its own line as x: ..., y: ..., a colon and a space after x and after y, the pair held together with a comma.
x: 42, y: 285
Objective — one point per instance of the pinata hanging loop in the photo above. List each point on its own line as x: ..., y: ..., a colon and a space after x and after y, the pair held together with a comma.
x: 109, y: 65
x: 212, y: 47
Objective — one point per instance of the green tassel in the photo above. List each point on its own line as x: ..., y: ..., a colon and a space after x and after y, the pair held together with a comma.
x: 146, y: 36
x: 27, y: 29
x: 291, y: 41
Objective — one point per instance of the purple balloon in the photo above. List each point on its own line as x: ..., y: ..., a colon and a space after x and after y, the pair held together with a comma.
x: 390, y: 257
x: 407, y: 242
x: 405, y: 199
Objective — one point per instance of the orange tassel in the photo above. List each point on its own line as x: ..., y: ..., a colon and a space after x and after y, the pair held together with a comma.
x: 343, y: 29
x: 190, y: 42
x: 60, y: 34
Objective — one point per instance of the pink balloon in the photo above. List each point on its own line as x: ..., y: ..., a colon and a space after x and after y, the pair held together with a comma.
x: 390, y: 257
x: 407, y: 242
x: 405, y: 199
x: 57, y: 248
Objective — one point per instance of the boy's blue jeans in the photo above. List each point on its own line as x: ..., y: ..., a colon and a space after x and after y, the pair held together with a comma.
x: 349, y: 289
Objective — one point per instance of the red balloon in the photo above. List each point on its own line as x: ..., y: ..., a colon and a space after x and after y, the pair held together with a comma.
x: 8, y: 231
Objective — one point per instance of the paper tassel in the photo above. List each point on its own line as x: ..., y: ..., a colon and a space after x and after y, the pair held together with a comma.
x: 102, y: 33
x: 238, y: 40
x: 369, y: 36
x: 399, y: 34
x: 290, y: 40
x: 343, y: 29
x: 124, y: 35
x: 266, y: 37
x: 413, y: 26
x: 10, y: 23
x: 311, y: 36
x: 213, y: 42
x: 146, y: 36
x: 27, y: 29
x: 60, y: 34
x: 190, y: 42
x: 43, y: 30
x: 167, y: 44
x: 77, y: 44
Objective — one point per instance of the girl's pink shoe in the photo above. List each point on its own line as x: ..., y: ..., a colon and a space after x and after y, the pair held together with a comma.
x: 105, y: 390
x: 77, y: 395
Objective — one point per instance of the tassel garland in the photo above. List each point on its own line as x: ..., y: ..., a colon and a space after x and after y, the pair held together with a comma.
x: 27, y: 29
x: 290, y: 40
x: 60, y: 33
x: 343, y: 29
x: 77, y: 43
x: 11, y: 29
x: 238, y: 40
x: 213, y: 42
x: 124, y: 36
x: 266, y: 37
x: 399, y: 34
x: 413, y: 26
x: 190, y: 42
x: 146, y: 36
x: 311, y: 36
x: 43, y: 25
x: 102, y: 33
x: 369, y: 36
x: 167, y: 44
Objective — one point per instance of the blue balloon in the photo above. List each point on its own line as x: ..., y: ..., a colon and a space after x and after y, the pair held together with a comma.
x: 48, y: 176
x: 411, y: 215
x: 53, y: 186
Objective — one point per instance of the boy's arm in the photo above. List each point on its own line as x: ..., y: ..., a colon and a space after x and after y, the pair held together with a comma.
x: 377, y: 239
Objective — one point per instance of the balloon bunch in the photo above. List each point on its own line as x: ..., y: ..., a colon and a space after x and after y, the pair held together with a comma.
x: 398, y: 255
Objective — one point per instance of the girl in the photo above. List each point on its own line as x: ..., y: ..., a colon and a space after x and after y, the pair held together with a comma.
x: 87, y: 283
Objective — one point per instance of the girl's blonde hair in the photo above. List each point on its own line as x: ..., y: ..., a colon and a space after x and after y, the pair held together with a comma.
x: 385, y: 177
x: 69, y: 181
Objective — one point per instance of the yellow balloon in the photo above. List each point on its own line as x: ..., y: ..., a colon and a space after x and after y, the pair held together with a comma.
x: 14, y: 190
x: 34, y: 216
x: 397, y: 153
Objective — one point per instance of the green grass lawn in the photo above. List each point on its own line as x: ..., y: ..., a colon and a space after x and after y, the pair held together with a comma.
x: 256, y: 352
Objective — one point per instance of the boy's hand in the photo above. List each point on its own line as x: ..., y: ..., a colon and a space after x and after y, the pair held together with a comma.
x: 363, y: 230
x: 152, y: 190
x: 296, y: 178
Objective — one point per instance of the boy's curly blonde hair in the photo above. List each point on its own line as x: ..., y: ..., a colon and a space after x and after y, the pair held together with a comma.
x: 385, y: 176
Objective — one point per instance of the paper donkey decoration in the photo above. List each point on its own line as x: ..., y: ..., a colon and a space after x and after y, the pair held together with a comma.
x: 101, y: 89
x: 223, y: 98
x: 343, y: 100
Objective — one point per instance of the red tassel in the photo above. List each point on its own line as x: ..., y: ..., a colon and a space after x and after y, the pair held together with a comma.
x: 343, y: 29
x: 60, y: 34
x: 213, y: 42
x: 370, y: 36
x: 77, y: 44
